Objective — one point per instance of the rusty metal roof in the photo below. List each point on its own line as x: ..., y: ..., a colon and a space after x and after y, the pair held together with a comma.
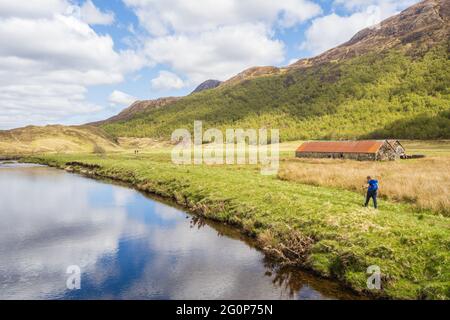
x: 369, y: 146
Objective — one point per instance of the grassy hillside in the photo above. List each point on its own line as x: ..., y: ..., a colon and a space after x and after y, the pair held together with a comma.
x: 33, y: 139
x: 389, y: 94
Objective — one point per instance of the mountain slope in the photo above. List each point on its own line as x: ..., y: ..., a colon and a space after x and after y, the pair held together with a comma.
x: 136, y: 108
x: 375, y: 85
x: 416, y: 30
x: 55, y: 138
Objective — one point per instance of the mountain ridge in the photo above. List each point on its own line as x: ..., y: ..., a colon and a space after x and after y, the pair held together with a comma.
x: 391, y: 32
x: 136, y: 108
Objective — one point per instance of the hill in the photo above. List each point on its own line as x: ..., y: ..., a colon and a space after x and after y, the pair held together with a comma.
x: 55, y: 138
x: 137, y: 108
x: 387, y: 81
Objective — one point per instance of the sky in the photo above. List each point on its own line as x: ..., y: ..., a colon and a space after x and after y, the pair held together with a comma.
x: 76, y: 61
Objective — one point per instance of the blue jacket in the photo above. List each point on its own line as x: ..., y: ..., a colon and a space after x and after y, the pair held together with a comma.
x: 373, y: 185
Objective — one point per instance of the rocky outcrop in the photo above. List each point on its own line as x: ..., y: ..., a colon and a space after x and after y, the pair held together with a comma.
x: 417, y: 28
x: 207, y: 85
x: 253, y: 72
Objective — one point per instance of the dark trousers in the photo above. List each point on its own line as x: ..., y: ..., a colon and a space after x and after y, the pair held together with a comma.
x: 372, y: 195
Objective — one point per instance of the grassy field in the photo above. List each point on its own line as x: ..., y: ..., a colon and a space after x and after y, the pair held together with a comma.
x: 318, y: 226
x: 425, y: 183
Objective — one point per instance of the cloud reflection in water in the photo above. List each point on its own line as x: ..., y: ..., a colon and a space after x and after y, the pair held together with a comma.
x: 127, y: 245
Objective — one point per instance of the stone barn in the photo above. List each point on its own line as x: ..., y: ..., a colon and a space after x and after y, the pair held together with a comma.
x: 371, y: 150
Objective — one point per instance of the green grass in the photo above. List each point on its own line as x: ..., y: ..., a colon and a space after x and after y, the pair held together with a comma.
x: 440, y: 148
x: 320, y: 228
x: 381, y: 95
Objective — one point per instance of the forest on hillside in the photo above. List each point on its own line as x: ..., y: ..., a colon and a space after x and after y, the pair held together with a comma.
x: 387, y: 95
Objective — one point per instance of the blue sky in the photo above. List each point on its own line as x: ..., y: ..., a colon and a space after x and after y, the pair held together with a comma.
x: 74, y: 61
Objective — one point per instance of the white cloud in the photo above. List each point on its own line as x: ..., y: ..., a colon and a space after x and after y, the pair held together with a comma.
x: 216, y: 54
x: 121, y: 98
x: 327, y: 32
x: 32, y: 9
x: 390, y: 5
x: 162, y: 17
x: 217, y: 38
x: 43, y: 269
x: 167, y: 81
x: 47, y: 62
x: 61, y: 43
x: 50, y: 55
x: 90, y: 14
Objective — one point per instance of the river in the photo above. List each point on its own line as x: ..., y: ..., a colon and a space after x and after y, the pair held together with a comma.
x: 126, y: 245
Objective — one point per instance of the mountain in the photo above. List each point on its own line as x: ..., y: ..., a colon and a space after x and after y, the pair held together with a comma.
x: 387, y: 81
x: 139, y: 107
x: 207, y: 85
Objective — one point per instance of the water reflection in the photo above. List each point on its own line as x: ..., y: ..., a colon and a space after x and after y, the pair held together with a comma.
x: 127, y: 245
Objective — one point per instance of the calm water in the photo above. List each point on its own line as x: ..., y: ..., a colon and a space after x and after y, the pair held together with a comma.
x: 127, y: 246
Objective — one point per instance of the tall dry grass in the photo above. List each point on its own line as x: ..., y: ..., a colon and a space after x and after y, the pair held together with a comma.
x: 424, y: 183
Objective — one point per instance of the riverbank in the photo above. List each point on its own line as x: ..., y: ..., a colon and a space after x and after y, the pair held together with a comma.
x: 10, y: 158
x: 322, y: 229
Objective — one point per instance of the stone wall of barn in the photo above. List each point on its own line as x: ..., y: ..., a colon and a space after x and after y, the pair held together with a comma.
x: 398, y: 148
x: 387, y: 153
x: 337, y: 155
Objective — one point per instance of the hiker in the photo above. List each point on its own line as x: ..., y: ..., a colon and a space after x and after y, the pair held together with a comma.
x: 372, y: 191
